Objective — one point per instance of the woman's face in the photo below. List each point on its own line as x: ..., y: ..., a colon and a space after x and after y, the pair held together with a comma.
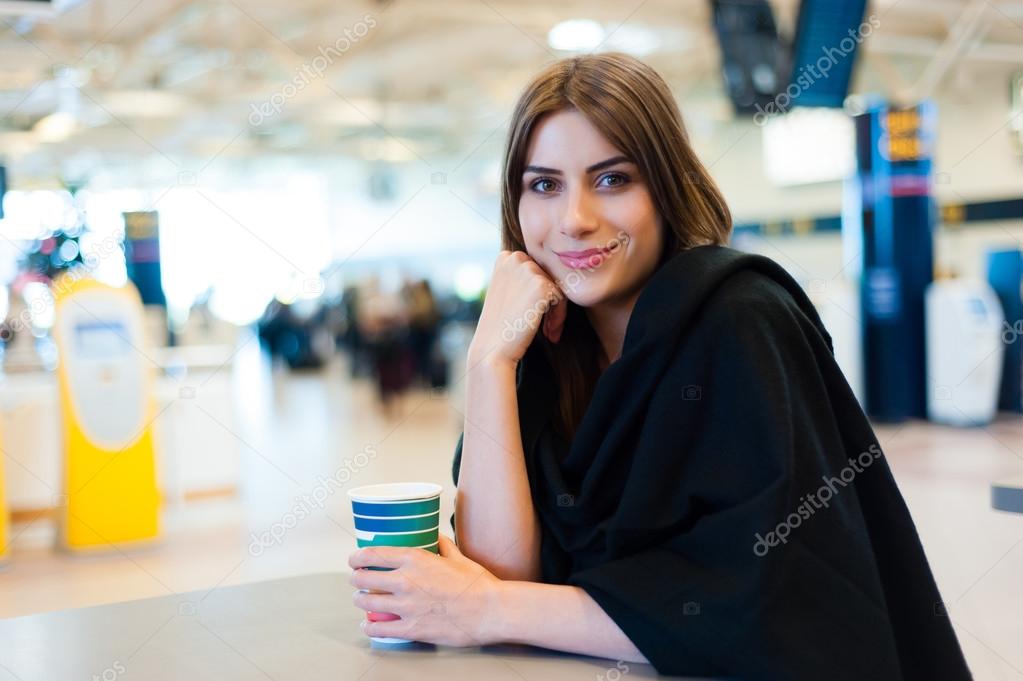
x: 587, y: 216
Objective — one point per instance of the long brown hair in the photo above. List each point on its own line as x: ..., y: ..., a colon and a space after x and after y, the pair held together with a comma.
x: 633, y: 108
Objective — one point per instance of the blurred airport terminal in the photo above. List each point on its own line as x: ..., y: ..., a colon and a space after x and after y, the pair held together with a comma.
x: 244, y: 244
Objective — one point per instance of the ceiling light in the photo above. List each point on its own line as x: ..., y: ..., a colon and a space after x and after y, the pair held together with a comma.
x: 56, y: 127
x: 639, y: 41
x: 145, y: 103
x: 576, y: 35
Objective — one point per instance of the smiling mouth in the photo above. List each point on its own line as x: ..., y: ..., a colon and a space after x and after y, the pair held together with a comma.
x: 590, y: 258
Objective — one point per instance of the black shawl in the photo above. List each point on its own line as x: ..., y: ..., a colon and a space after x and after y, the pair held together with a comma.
x: 725, y: 499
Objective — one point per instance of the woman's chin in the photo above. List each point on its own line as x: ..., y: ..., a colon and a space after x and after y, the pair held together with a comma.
x: 589, y: 297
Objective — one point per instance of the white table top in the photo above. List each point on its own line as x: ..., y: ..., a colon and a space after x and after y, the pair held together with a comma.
x: 298, y: 628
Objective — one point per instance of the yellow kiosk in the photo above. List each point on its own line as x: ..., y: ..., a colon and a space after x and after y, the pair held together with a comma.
x: 107, y: 407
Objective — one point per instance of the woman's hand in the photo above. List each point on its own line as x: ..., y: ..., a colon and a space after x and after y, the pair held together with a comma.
x: 521, y: 295
x: 446, y: 599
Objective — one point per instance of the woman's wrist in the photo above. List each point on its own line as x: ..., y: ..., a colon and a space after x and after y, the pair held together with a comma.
x: 490, y: 361
x: 515, y: 607
x: 555, y: 616
x: 501, y: 620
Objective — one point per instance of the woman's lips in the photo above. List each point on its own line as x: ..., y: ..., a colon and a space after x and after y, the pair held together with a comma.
x: 577, y: 260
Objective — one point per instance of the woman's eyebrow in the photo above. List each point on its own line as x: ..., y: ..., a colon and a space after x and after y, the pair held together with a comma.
x: 596, y: 166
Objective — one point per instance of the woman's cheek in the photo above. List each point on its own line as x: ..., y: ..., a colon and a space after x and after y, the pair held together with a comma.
x: 533, y: 232
x: 532, y: 215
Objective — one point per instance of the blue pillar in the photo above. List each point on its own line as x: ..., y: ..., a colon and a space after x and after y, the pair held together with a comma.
x: 894, y: 226
x: 1005, y: 274
x: 142, y: 255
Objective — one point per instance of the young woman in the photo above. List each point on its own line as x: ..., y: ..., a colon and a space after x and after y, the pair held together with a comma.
x: 661, y: 460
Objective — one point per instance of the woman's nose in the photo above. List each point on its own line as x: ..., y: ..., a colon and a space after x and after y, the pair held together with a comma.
x: 580, y: 216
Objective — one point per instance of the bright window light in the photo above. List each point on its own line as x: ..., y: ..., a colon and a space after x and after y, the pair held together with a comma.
x: 245, y: 245
x: 470, y: 280
x: 809, y: 145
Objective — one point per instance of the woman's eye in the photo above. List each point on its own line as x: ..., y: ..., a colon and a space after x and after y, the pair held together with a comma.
x: 543, y: 185
x: 613, y: 180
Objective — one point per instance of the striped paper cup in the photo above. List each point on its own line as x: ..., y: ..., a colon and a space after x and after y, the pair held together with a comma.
x: 405, y: 514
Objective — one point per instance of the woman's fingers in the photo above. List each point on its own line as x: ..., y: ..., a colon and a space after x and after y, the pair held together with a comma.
x: 389, y: 629
x: 379, y: 580
x: 521, y: 299
x: 382, y: 556
x: 448, y: 548
x: 375, y: 602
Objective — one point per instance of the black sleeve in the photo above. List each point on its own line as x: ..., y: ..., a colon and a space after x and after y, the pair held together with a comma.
x: 747, y: 431
x: 457, y: 464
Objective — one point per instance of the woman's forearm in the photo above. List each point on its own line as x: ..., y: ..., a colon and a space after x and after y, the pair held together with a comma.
x: 495, y: 522
x: 558, y: 617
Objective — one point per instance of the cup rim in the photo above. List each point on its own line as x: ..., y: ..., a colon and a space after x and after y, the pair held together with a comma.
x: 391, y: 492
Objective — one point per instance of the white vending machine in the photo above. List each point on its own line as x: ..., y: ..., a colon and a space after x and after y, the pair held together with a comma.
x: 964, y: 352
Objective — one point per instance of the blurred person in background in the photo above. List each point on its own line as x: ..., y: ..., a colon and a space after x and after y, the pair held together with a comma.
x: 296, y: 333
x: 384, y: 328
x: 352, y: 338
x: 424, y: 318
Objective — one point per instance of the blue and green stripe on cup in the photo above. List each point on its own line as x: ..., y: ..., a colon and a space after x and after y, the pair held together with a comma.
x: 412, y: 523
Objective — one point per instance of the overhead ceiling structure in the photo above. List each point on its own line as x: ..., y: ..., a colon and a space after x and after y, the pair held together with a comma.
x: 121, y: 81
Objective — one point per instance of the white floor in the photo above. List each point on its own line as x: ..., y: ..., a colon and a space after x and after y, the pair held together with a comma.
x: 296, y: 427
